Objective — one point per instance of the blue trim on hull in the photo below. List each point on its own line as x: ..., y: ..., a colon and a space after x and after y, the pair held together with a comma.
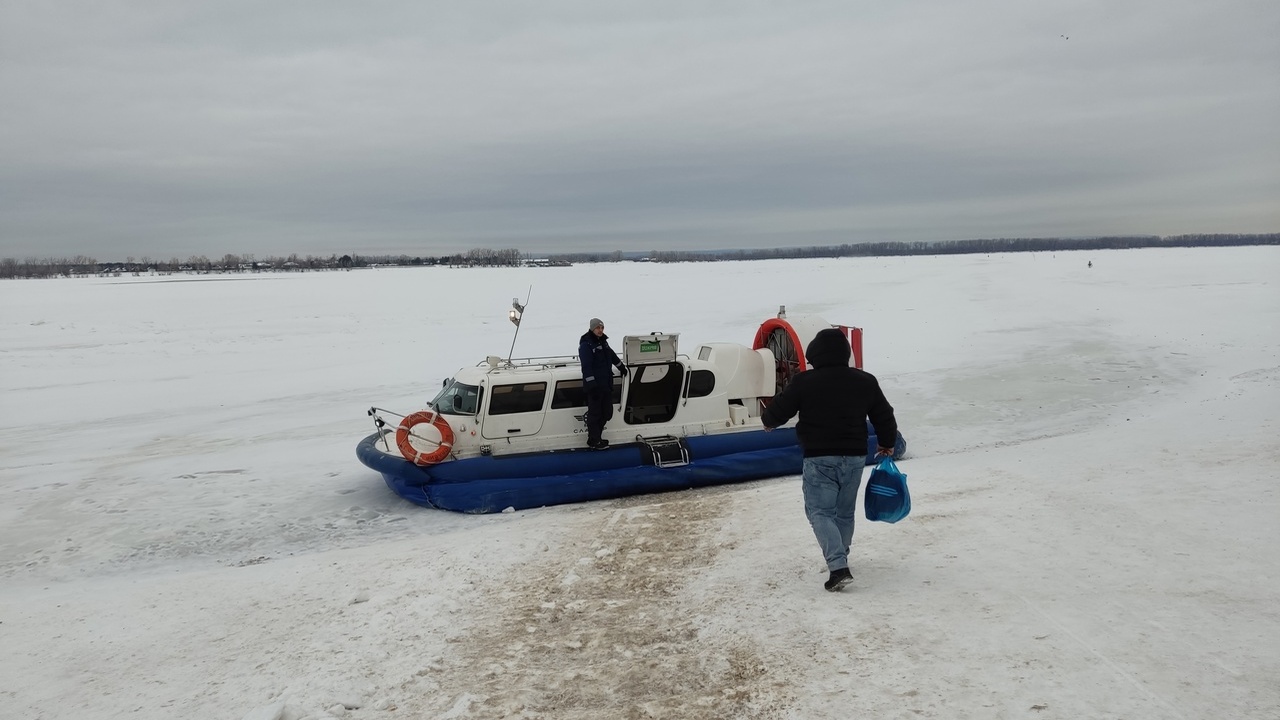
x: 491, y: 484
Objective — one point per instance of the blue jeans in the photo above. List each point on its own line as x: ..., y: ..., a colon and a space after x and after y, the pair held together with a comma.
x: 830, y: 497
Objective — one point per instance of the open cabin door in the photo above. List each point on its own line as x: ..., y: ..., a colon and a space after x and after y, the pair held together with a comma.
x: 656, y: 380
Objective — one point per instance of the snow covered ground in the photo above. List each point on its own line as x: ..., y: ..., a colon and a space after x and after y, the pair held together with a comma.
x: 1093, y: 457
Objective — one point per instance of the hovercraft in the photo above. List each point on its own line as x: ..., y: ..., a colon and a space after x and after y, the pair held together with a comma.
x: 511, y: 434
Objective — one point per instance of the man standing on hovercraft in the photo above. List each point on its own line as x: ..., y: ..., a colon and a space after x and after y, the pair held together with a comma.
x: 598, y: 361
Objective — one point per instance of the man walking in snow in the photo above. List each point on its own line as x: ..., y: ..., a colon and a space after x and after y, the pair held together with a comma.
x: 598, y: 361
x: 834, y: 401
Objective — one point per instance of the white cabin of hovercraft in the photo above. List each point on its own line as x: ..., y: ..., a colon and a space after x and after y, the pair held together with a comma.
x: 502, y: 406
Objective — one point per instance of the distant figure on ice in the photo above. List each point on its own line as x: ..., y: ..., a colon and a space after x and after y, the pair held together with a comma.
x: 1090, y: 263
x: 834, y: 402
x: 598, y: 361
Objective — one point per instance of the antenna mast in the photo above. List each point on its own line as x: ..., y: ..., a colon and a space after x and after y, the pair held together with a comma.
x: 517, y: 311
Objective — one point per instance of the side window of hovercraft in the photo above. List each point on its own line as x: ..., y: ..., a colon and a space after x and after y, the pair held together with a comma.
x: 701, y: 383
x: 569, y: 394
x: 518, y: 398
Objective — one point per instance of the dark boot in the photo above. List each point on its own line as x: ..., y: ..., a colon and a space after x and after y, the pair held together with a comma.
x: 839, y: 578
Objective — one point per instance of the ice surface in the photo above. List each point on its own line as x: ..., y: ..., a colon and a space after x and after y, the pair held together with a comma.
x: 1093, y: 459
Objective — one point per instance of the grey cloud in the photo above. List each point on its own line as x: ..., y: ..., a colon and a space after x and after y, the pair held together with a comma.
x: 417, y: 127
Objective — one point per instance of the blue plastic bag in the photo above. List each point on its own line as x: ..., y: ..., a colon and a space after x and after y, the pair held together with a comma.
x: 887, y: 499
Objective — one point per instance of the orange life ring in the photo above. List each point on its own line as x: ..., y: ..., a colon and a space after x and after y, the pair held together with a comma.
x: 411, y: 453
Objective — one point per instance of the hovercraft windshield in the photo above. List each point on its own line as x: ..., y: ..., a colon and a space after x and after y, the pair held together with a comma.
x: 457, y: 398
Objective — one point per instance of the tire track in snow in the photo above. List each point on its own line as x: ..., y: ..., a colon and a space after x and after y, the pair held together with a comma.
x: 605, y: 630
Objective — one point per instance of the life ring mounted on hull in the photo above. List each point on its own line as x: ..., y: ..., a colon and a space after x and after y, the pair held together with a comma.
x: 418, y: 457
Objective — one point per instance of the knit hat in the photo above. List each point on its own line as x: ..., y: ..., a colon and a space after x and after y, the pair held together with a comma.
x: 595, y: 323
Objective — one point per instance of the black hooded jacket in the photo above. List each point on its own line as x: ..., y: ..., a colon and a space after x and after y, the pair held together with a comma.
x: 834, y: 402
x: 598, y: 359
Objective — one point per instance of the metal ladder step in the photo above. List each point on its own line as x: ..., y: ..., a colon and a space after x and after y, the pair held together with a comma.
x: 664, y: 450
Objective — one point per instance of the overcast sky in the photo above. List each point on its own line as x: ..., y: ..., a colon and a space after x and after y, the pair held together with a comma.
x: 171, y: 129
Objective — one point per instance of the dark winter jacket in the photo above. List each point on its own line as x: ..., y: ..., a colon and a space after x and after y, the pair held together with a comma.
x: 598, y: 359
x: 834, y: 402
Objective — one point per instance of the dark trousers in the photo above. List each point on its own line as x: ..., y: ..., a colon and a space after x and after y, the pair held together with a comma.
x: 599, y: 410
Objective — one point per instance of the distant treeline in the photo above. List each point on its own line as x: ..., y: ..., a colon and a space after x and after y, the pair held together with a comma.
x: 483, y: 257
x: 950, y: 247
x: 81, y: 265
